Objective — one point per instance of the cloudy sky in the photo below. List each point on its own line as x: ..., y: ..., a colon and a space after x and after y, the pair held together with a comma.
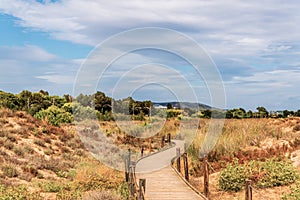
x: 254, y: 44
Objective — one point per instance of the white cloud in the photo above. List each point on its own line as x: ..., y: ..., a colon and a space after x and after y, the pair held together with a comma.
x: 254, y: 43
x: 272, y: 89
x: 88, y: 21
x: 58, y: 79
x: 25, y: 53
x: 33, y: 68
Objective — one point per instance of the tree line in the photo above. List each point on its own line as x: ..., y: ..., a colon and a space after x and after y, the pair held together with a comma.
x: 58, y: 109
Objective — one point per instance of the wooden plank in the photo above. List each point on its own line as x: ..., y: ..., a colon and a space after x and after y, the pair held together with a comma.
x: 164, y: 183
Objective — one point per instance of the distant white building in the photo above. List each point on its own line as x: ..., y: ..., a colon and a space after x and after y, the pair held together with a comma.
x: 158, y: 106
x: 276, y: 113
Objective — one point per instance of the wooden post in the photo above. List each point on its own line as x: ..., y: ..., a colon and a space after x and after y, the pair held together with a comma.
x: 127, y: 166
x: 131, y: 186
x: 126, y: 170
x: 206, y: 177
x: 129, y: 158
x: 142, y: 151
x: 178, y: 159
x: 131, y: 178
x: 169, y: 138
x: 248, y: 190
x: 150, y: 145
x: 186, y: 167
x: 162, y: 141
x: 142, y: 187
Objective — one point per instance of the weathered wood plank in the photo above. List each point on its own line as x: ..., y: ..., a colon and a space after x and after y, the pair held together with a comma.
x: 163, y: 183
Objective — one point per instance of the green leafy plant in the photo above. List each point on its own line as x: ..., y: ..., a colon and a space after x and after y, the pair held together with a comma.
x: 294, y: 194
x: 232, y: 178
x: 54, y: 115
x: 18, y: 193
x: 263, y: 174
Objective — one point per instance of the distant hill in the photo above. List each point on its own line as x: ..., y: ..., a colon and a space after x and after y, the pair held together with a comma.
x: 190, y: 105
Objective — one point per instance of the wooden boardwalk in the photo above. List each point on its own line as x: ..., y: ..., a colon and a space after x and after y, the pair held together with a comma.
x: 162, y: 182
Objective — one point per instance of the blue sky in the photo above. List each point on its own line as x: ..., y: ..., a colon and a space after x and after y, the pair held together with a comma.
x: 255, y: 44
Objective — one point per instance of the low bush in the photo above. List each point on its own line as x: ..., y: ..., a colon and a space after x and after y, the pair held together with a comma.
x: 10, y: 171
x: 18, y: 151
x: 54, y: 186
x: 69, y: 195
x: 263, y: 174
x: 294, y: 194
x: 18, y: 193
x: 54, y: 115
x: 39, y: 142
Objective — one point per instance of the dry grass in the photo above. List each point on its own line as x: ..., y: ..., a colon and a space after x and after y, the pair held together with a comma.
x: 34, y: 153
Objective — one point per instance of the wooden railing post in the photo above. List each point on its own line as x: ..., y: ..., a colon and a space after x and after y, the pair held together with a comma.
x: 142, y: 151
x: 150, y: 145
x: 178, y: 159
x: 142, y: 188
x: 169, y: 138
x: 186, y: 166
x: 132, y: 179
x: 126, y: 170
x: 127, y: 165
x: 248, y: 190
x: 162, y: 141
x: 206, y: 177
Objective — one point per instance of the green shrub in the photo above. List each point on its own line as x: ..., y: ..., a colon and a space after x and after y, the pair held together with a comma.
x: 17, y: 193
x: 263, y: 174
x: 54, y: 115
x: 277, y: 173
x: 123, y: 190
x: 10, y: 171
x: 294, y: 194
x: 69, y: 195
x: 54, y: 186
x: 83, y: 113
x: 232, y: 178
x: 39, y: 142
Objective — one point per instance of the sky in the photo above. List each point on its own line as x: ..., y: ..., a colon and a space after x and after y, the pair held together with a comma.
x: 255, y: 46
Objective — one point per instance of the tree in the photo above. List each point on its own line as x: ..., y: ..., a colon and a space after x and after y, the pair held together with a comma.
x: 287, y: 113
x: 169, y: 106
x: 102, y: 103
x: 262, y: 111
x: 44, y: 92
x: 85, y: 100
x: 206, y: 113
x: 249, y: 114
x: 297, y: 113
x: 9, y: 100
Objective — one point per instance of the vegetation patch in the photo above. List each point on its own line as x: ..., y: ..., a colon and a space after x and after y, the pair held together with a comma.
x: 18, y: 193
x: 270, y: 173
x: 294, y: 194
x: 10, y: 171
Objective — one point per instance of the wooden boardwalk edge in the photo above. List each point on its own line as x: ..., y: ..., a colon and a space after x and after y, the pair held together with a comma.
x: 186, y: 182
x: 176, y: 173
